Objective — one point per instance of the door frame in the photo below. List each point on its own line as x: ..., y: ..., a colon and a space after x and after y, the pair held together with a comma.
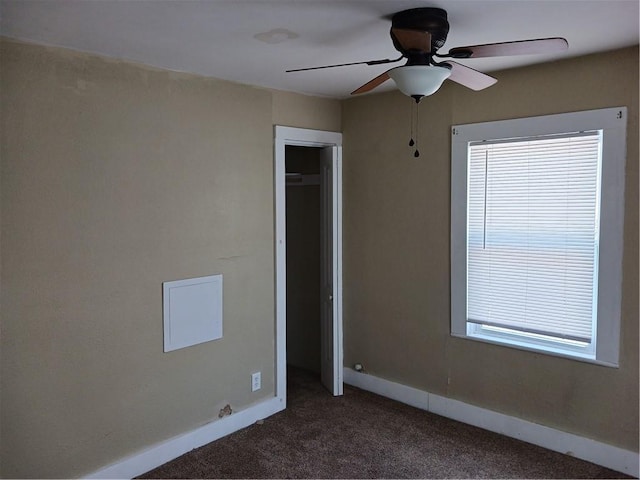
x: 306, y: 138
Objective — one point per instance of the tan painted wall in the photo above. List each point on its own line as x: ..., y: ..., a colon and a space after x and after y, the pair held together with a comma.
x: 304, y: 111
x: 115, y: 178
x: 396, y: 251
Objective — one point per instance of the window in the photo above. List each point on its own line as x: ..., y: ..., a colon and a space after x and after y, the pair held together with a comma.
x: 536, y: 233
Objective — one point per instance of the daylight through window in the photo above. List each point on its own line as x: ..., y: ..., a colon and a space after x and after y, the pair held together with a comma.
x: 532, y: 222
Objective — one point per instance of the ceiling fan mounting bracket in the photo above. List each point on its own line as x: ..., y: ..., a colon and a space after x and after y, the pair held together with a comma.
x: 431, y: 20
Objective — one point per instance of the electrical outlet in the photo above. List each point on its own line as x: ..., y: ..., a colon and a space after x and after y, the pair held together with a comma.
x: 256, y: 381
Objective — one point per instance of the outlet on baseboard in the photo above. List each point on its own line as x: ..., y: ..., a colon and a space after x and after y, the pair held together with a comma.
x: 256, y: 381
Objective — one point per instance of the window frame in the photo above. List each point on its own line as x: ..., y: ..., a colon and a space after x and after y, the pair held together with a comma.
x: 612, y: 122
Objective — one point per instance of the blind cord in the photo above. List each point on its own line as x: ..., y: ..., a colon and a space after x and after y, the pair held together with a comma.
x: 484, y: 211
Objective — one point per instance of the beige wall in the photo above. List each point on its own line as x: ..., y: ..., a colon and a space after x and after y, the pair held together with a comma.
x: 303, y: 111
x: 396, y: 252
x: 115, y: 178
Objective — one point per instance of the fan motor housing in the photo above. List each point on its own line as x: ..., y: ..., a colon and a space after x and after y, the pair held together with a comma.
x: 432, y: 20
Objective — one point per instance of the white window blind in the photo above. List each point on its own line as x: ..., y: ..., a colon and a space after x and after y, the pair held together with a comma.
x: 532, y: 243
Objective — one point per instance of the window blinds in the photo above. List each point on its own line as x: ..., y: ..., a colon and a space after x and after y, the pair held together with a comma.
x: 532, y: 234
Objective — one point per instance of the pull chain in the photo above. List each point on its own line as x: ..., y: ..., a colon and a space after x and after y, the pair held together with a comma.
x: 411, y: 142
x: 415, y: 126
x: 417, y: 152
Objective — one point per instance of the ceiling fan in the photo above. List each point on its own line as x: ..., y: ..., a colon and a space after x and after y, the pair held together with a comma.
x: 418, y: 34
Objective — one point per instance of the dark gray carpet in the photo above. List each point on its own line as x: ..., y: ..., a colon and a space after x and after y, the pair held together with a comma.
x: 363, y: 435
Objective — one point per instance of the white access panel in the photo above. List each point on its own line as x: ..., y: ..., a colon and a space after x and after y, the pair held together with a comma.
x: 192, y: 311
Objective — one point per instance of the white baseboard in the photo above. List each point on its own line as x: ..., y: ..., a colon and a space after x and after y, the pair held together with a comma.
x: 163, y: 452
x: 567, y: 443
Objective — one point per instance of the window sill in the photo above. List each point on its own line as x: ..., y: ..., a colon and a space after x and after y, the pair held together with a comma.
x: 536, y: 349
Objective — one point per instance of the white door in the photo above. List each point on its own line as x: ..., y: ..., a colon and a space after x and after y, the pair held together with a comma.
x: 330, y: 331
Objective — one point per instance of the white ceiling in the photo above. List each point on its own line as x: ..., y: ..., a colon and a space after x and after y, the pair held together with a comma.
x: 217, y: 37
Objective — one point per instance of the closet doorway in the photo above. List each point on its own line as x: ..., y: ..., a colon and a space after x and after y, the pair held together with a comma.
x: 308, y: 188
x: 303, y: 204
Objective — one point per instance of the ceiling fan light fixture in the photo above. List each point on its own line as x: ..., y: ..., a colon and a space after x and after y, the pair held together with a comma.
x: 418, y: 81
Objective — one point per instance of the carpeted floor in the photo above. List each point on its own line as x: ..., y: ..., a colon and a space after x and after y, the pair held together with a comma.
x: 363, y: 435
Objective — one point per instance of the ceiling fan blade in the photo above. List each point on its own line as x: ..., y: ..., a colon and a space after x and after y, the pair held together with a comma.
x: 373, y: 83
x: 520, y: 47
x: 413, y: 39
x: 368, y: 62
x: 469, y: 77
